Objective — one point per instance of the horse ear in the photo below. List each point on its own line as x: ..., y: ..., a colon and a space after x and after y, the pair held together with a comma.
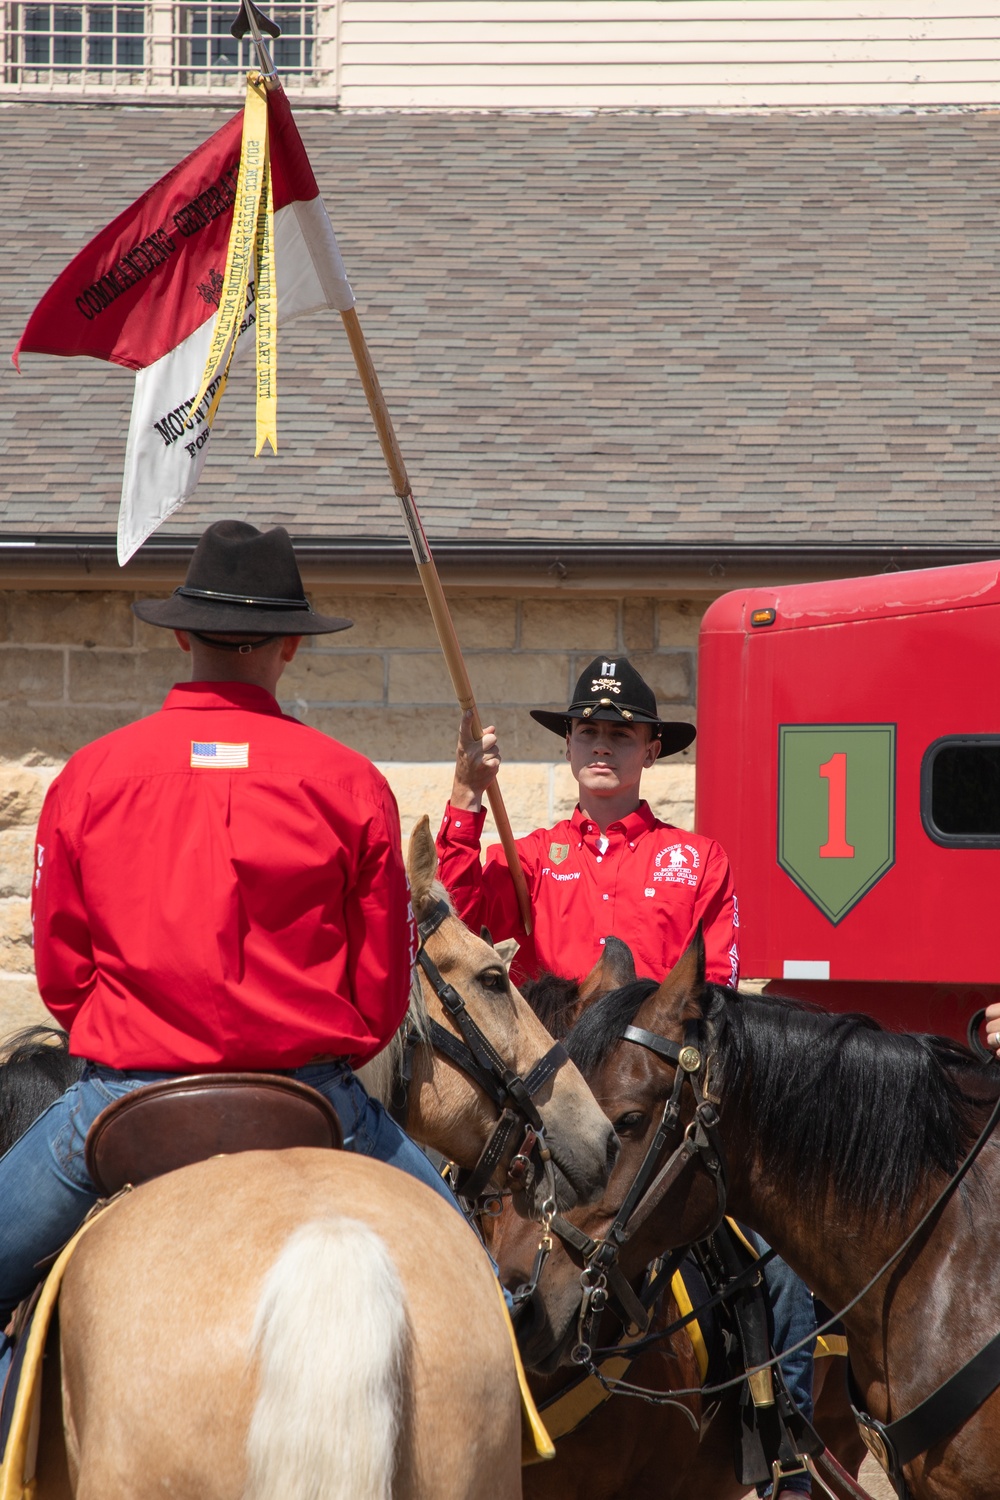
x: 506, y: 949
x: 683, y: 990
x: 614, y: 968
x: 421, y: 862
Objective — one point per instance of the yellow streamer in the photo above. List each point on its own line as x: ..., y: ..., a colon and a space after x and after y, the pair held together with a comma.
x: 267, y: 315
x: 251, y: 246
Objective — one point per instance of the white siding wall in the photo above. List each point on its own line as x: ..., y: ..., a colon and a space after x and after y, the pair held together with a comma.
x: 684, y: 54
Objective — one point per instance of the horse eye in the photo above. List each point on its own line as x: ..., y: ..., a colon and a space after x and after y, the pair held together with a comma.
x: 494, y: 979
x: 630, y: 1124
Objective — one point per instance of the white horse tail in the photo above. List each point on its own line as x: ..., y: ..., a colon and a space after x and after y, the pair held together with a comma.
x: 332, y: 1339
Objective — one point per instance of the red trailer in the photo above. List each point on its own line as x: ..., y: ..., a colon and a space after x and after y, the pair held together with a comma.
x: 849, y: 762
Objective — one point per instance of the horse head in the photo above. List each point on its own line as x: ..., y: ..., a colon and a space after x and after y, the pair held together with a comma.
x: 493, y: 1060
x: 635, y: 1084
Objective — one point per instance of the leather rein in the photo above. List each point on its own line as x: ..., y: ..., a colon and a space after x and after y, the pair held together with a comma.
x: 514, y: 1096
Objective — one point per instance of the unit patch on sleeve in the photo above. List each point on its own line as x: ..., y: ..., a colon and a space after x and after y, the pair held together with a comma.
x: 223, y: 757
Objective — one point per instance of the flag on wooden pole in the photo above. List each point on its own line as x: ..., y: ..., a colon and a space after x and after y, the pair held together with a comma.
x: 234, y: 236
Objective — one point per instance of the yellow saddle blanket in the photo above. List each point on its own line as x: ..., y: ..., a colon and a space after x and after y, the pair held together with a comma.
x: 17, y: 1471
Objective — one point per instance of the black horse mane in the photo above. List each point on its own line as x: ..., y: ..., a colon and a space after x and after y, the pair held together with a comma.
x: 552, y: 998
x: 35, y: 1068
x: 835, y: 1101
x: 602, y: 1024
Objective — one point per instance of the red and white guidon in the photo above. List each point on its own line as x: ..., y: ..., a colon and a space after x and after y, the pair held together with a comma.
x: 145, y: 291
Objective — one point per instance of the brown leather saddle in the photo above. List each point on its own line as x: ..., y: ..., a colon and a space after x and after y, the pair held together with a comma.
x: 163, y: 1126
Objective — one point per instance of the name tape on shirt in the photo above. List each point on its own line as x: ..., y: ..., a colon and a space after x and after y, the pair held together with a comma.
x: 222, y: 757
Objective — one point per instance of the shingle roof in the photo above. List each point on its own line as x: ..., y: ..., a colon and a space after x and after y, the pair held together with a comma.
x: 750, y: 329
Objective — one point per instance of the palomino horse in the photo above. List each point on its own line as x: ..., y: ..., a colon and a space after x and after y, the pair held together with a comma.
x: 285, y: 1323
x: 617, y: 1451
x: 841, y: 1142
x: 440, y: 1085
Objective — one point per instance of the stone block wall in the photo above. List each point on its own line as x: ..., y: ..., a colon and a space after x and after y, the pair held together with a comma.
x: 76, y: 664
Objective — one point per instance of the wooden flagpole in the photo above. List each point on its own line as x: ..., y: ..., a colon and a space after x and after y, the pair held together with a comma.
x: 436, y: 601
x: 253, y: 20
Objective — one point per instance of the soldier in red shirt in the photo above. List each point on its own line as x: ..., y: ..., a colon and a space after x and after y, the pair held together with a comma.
x: 217, y: 888
x: 613, y: 868
x: 610, y: 868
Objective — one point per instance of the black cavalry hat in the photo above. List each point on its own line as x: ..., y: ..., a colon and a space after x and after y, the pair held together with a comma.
x: 240, y: 579
x: 611, y: 688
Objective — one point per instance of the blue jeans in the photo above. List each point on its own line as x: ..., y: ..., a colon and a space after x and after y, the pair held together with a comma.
x: 794, y: 1319
x: 46, y: 1192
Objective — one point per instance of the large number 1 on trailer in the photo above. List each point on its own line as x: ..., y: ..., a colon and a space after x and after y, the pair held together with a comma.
x: 836, y: 846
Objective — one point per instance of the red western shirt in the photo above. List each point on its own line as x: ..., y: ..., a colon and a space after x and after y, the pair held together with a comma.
x: 221, y: 887
x: 650, y: 887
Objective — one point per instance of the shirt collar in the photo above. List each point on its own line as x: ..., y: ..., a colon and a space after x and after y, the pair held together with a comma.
x: 636, y: 823
x: 221, y: 695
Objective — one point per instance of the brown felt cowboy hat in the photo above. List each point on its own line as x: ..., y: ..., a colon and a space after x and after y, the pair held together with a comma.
x: 241, y: 580
x: 611, y: 688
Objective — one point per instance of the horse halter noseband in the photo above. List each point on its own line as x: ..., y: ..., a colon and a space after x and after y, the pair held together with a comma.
x: 479, y: 1059
x: 603, y: 1279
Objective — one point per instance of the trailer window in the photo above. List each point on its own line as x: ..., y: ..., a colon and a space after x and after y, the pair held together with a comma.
x: 960, y: 791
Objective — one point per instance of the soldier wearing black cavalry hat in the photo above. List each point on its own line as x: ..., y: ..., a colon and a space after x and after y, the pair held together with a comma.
x: 218, y: 887
x: 610, y: 868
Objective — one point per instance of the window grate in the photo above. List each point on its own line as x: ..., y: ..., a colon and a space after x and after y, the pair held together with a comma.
x: 57, y: 43
x: 159, y: 46
x: 208, y: 55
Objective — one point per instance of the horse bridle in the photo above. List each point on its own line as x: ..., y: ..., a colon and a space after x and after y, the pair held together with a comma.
x: 603, y: 1279
x: 513, y: 1095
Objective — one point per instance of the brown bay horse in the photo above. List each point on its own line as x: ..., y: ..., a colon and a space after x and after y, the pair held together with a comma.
x: 838, y: 1138
x: 310, y: 1324
x: 617, y: 1451
x: 625, y: 1449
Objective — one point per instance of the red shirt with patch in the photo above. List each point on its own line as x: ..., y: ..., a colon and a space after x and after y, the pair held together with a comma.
x: 221, y: 887
x: 650, y: 887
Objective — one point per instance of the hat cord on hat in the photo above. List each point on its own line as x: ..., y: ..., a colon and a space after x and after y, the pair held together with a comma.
x: 259, y: 601
x: 588, y: 705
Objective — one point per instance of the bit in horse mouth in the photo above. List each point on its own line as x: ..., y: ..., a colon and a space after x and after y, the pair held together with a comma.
x: 564, y: 1180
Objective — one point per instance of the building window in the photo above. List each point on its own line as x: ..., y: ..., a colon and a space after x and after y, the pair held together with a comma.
x: 56, y: 43
x: 159, y: 46
x: 960, y: 791
x: 207, y: 53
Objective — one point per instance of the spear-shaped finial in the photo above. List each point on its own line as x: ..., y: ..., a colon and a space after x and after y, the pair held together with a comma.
x: 254, y: 21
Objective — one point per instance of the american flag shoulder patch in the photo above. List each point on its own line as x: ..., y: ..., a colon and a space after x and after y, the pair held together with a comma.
x: 223, y: 757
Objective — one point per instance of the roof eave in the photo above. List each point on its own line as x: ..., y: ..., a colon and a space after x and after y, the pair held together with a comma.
x: 363, y: 565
